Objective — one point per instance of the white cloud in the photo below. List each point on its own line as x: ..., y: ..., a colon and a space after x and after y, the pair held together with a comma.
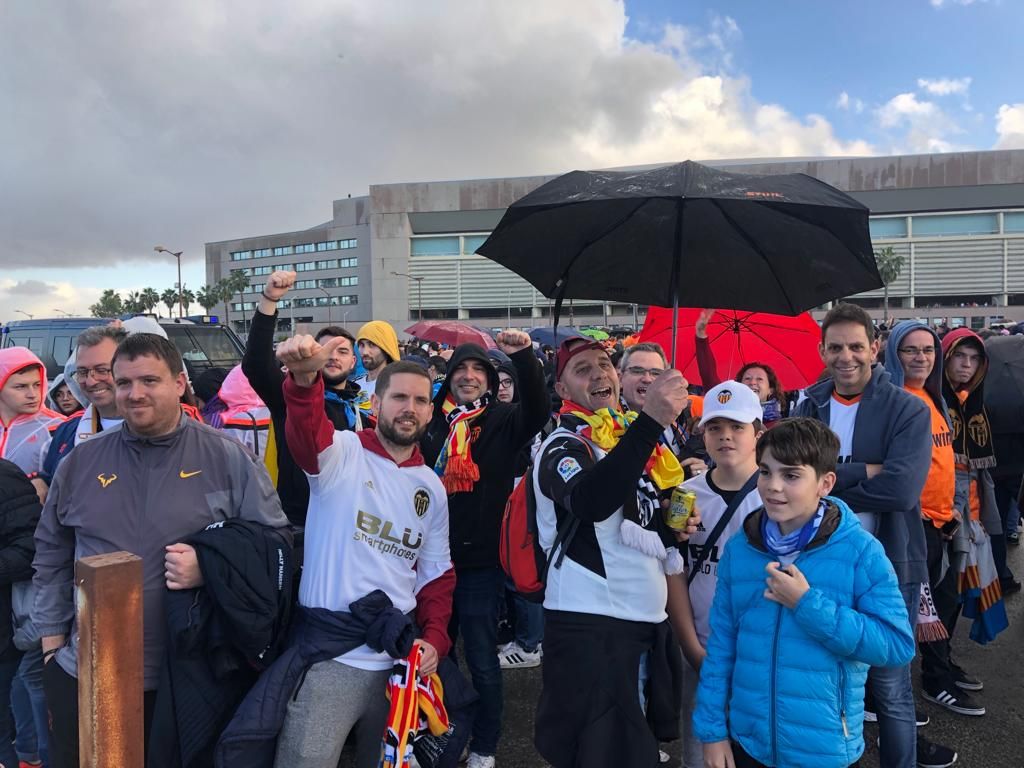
x: 903, y: 108
x: 846, y: 103
x: 1010, y: 126
x: 922, y: 125
x: 254, y: 115
x: 44, y: 299
x: 941, y: 3
x: 944, y: 86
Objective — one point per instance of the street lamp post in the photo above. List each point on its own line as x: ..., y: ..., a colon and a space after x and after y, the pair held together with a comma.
x: 26, y: 314
x: 328, y: 295
x: 509, y: 308
x: 62, y: 311
x: 419, y: 291
x: 177, y: 255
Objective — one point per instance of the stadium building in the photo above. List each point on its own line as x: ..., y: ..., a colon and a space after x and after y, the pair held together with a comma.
x: 406, y: 251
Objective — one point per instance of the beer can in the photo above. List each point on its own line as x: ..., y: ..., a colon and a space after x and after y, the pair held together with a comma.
x: 680, y: 508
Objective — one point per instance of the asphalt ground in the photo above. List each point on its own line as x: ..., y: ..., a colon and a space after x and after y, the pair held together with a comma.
x: 995, y: 740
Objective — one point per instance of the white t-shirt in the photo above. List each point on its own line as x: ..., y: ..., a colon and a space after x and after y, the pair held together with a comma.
x: 367, y: 386
x: 842, y: 419
x: 371, y: 525
x: 712, y: 506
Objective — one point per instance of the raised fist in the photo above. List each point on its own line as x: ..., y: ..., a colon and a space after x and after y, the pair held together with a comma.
x: 278, y: 284
x: 513, y: 341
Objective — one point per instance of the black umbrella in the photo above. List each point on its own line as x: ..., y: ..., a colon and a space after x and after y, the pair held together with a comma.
x: 1004, y: 383
x: 689, y: 235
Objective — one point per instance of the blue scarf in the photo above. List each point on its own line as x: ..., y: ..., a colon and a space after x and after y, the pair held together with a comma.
x: 789, y: 545
x: 330, y: 396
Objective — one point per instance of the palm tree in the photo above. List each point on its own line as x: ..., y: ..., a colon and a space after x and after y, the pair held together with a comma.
x: 133, y: 302
x: 109, y: 305
x: 170, y: 298
x: 149, y: 298
x: 890, y: 264
x: 187, y: 298
x: 208, y: 296
x: 234, y: 283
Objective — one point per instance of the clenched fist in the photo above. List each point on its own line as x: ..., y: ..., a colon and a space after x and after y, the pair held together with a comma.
x: 510, y: 342
x: 278, y: 284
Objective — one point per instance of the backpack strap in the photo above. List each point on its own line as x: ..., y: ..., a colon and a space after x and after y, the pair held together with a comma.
x: 716, y: 532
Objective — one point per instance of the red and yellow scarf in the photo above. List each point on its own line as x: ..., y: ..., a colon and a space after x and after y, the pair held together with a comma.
x: 455, y: 465
x: 417, y: 705
x: 604, y: 429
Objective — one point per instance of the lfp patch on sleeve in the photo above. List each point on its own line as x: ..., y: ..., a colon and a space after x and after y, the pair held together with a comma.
x: 569, y: 468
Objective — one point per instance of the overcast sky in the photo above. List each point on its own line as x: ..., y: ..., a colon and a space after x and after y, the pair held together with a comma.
x: 128, y: 124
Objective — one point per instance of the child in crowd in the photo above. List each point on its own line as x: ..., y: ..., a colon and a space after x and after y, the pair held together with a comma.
x: 26, y: 424
x: 806, y: 602
x: 725, y: 496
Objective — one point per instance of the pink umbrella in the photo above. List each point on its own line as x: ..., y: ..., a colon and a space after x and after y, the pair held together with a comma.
x: 451, y: 332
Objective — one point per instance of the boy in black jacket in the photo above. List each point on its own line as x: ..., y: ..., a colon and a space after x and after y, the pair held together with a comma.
x: 472, y: 443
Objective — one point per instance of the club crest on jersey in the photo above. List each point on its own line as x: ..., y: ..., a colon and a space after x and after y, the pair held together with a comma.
x: 421, y: 502
x: 724, y: 396
x: 106, y: 480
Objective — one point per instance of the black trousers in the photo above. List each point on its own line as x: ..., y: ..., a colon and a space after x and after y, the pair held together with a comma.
x: 61, y: 691
x: 936, y: 663
x: 743, y: 760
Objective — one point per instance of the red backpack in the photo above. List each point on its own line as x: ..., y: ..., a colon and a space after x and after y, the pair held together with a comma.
x: 522, y: 557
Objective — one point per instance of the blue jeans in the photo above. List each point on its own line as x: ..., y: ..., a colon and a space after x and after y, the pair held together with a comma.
x: 1006, y: 501
x: 894, y: 701
x: 475, y: 616
x: 529, y: 622
x: 8, y: 756
x: 29, y: 704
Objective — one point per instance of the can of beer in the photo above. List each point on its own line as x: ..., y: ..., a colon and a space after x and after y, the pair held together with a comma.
x: 680, y: 508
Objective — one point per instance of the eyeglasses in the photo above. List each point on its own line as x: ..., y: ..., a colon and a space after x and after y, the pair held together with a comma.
x: 98, y: 372
x: 504, y: 383
x: 636, y: 370
x: 915, y: 351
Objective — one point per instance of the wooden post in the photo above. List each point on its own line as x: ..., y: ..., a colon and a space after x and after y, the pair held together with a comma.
x: 110, y: 706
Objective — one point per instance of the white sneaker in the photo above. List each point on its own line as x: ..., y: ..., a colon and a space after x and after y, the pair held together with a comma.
x: 480, y: 761
x: 514, y: 657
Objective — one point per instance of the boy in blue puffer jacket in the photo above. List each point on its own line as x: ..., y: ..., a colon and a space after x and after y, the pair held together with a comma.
x: 806, y: 601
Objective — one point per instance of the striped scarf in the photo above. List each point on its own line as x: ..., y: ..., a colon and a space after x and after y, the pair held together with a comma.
x: 455, y: 465
x: 417, y: 707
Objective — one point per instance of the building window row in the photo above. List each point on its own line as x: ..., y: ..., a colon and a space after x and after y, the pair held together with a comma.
x: 446, y: 245
x: 324, y: 301
x: 288, y: 250
x: 946, y: 225
x: 309, y: 266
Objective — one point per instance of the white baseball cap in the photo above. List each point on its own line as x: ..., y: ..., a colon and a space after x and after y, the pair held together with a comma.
x: 731, y: 400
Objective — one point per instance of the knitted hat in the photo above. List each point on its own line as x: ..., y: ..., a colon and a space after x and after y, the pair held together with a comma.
x: 383, y: 335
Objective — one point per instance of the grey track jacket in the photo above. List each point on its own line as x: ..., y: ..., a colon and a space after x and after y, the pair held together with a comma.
x: 119, y: 491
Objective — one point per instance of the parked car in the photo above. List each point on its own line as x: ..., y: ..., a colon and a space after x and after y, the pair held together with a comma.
x: 204, y: 343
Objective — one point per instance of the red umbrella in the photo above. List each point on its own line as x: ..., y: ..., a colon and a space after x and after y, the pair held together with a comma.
x: 451, y: 332
x: 788, y: 344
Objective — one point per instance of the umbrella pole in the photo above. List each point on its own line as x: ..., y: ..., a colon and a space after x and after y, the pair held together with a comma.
x: 678, y: 251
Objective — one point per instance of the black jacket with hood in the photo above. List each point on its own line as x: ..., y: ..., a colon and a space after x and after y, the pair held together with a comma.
x: 497, y: 435
x: 19, y: 514
x: 264, y: 374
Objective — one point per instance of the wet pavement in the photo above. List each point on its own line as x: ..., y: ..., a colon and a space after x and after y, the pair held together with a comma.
x: 995, y: 740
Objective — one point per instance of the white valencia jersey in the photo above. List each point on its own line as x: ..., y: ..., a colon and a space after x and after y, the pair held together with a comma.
x: 371, y: 525
x: 711, y: 506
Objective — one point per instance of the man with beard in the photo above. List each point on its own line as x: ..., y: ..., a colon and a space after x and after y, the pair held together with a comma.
x: 341, y: 402
x: 378, y: 346
x: 378, y: 520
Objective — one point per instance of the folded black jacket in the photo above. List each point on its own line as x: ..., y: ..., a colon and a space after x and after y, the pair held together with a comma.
x: 220, y: 636
x: 318, y: 635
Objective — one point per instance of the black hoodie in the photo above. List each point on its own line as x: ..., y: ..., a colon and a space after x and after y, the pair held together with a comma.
x: 497, y: 435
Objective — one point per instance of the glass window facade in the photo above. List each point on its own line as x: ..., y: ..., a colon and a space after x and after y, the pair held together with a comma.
x: 284, y: 250
x: 1013, y: 221
x: 956, y: 224
x: 436, y: 246
x: 471, y: 242
x: 885, y: 228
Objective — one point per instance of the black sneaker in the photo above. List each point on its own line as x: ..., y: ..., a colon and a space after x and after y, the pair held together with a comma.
x: 921, y: 717
x: 1010, y: 585
x: 934, y: 755
x: 965, y: 682
x: 1013, y: 538
x: 957, y: 701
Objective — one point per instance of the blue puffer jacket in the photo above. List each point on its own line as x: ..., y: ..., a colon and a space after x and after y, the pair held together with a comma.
x: 792, y: 681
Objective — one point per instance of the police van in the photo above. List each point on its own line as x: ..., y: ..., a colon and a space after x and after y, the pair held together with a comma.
x: 204, y: 343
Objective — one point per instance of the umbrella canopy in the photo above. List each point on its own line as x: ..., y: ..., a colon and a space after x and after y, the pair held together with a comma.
x: 689, y: 235
x: 546, y: 335
x: 596, y: 334
x: 788, y: 344
x: 1004, y: 384
x: 451, y: 332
